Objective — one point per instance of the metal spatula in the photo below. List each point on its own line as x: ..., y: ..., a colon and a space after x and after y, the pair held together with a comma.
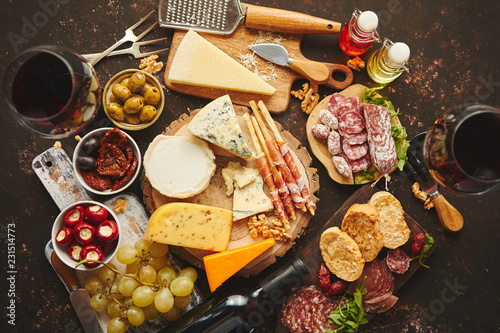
x: 224, y: 16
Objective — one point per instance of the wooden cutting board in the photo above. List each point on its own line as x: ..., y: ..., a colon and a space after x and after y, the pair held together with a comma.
x: 237, y: 44
x: 215, y: 195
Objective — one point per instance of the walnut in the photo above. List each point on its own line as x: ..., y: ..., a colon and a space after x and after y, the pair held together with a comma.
x: 150, y: 65
x: 120, y: 206
x: 308, y: 95
x: 279, y: 234
x: 356, y: 63
x: 259, y: 225
x: 422, y: 196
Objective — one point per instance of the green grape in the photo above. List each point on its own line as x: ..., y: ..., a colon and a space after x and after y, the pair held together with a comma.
x: 147, y: 274
x: 189, y: 272
x: 93, y: 284
x: 115, y: 291
x: 133, y: 268
x: 106, y: 275
x: 172, y: 315
x: 127, y: 302
x: 142, y: 246
x: 135, y: 316
x: 126, y: 255
x: 143, y: 296
x: 182, y: 301
x: 158, y: 262
x: 99, y: 302
x: 166, y: 275
x: 127, y: 286
x: 116, y: 325
x: 182, y: 286
x: 164, y: 301
x: 151, y: 312
x: 114, y: 309
x: 158, y: 249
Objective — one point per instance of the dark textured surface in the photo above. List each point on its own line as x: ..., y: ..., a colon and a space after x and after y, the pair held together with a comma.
x: 454, y: 59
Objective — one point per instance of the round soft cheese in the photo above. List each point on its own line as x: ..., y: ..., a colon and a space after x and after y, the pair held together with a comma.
x: 179, y: 167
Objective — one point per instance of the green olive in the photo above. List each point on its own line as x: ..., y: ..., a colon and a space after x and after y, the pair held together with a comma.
x: 125, y: 82
x: 132, y: 119
x: 137, y: 81
x: 147, y: 113
x: 113, y: 99
x: 147, y: 85
x: 152, y: 96
x: 133, y: 105
x: 140, y: 97
x: 115, y: 110
x: 121, y: 92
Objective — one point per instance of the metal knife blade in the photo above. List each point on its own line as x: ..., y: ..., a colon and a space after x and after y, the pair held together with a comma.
x: 277, y: 54
x: 79, y: 298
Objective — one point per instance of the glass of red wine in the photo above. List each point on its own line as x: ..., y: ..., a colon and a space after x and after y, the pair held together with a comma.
x: 52, y: 91
x: 462, y: 149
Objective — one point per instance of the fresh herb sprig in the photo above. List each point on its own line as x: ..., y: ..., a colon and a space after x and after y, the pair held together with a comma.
x: 365, y: 174
x: 352, y: 315
x: 398, y: 132
x: 429, y: 242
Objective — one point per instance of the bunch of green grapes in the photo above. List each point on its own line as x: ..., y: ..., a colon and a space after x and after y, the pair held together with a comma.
x: 150, y: 287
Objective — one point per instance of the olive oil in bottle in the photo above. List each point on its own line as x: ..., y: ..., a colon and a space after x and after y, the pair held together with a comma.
x: 388, y: 62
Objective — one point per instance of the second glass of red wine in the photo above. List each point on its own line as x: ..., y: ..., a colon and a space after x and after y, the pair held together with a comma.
x: 462, y: 150
x: 52, y: 90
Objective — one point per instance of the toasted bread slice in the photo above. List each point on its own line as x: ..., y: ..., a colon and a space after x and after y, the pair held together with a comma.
x: 361, y: 223
x: 341, y: 254
x: 392, y: 220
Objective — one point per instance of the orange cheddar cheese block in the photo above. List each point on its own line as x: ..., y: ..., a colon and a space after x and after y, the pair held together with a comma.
x: 221, y: 266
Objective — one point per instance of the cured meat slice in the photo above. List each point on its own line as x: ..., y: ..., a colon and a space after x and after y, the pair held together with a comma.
x: 397, y: 261
x: 333, y: 143
x: 379, y: 296
x: 348, y: 104
x: 328, y: 119
x: 356, y: 138
x: 307, y: 309
x: 342, y: 166
x: 381, y: 306
x: 351, y: 122
x: 360, y: 164
x: 386, y: 281
x: 333, y: 104
x: 354, y: 152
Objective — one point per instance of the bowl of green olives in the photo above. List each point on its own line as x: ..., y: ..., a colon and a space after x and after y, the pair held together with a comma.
x: 106, y: 161
x: 133, y: 99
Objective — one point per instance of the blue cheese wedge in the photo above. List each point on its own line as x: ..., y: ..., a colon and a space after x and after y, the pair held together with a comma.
x: 217, y: 123
x: 247, y: 187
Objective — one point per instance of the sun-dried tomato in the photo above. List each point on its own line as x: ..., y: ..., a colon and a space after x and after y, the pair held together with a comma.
x: 129, y: 174
x: 324, y: 278
x: 111, y: 162
x: 96, y: 181
x: 115, y: 137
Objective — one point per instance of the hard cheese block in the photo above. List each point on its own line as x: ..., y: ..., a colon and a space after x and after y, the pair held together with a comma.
x: 221, y: 266
x: 190, y: 225
x: 217, y: 123
x: 198, y: 62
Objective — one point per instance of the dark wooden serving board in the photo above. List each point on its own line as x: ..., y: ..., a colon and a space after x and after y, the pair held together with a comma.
x: 363, y: 195
x: 235, y: 44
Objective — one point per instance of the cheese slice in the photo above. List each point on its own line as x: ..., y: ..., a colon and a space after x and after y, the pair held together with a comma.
x: 217, y: 123
x: 221, y: 266
x: 190, y: 225
x: 198, y: 62
x: 179, y: 167
x: 234, y: 173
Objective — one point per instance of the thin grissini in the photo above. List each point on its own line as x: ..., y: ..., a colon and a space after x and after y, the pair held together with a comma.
x: 278, y: 178
x: 265, y: 172
x: 285, y: 152
x: 279, y: 161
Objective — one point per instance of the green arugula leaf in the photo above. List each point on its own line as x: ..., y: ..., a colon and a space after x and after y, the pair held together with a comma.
x: 366, y: 174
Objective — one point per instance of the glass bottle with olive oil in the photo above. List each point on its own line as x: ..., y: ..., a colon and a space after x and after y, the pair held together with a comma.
x: 389, y: 62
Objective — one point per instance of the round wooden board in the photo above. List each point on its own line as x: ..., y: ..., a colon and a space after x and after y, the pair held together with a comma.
x: 215, y: 195
x: 319, y: 147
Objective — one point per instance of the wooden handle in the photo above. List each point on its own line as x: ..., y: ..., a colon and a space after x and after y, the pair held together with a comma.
x: 312, y: 70
x: 280, y: 20
x: 448, y: 215
x: 67, y: 274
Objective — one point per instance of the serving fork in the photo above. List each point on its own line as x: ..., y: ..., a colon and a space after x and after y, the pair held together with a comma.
x: 134, y: 50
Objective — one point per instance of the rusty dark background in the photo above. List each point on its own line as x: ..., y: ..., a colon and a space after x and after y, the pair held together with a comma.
x: 455, y: 52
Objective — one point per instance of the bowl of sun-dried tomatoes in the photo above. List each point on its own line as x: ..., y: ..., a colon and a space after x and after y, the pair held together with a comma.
x: 106, y: 161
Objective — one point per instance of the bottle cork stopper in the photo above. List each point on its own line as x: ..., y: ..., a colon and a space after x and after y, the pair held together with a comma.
x: 367, y: 21
x: 399, y: 53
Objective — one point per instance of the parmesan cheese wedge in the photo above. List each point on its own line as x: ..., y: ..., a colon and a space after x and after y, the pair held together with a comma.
x: 198, y: 62
x: 179, y: 167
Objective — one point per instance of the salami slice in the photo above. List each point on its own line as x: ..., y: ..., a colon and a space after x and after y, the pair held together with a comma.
x: 355, y: 139
x: 360, y: 164
x: 397, y: 261
x: 351, y: 122
x: 342, y: 166
x: 333, y: 143
x: 348, y: 104
x: 354, y: 152
x: 333, y: 104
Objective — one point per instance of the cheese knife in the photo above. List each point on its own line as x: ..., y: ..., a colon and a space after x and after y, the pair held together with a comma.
x: 79, y: 298
x: 318, y: 72
x: 449, y: 216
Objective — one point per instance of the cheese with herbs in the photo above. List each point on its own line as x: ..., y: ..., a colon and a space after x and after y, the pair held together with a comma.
x: 179, y: 167
x: 198, y: 62
x: 190, y: 225
x: 217, y: 123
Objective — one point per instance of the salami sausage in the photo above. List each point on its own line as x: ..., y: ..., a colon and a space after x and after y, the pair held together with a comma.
x: 328, y: 119
x: 320, y: 131
x: 342, y: 166
x: 333, y: 143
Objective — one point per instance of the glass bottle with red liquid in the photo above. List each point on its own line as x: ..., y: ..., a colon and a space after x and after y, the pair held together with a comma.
x: 359, y: 34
